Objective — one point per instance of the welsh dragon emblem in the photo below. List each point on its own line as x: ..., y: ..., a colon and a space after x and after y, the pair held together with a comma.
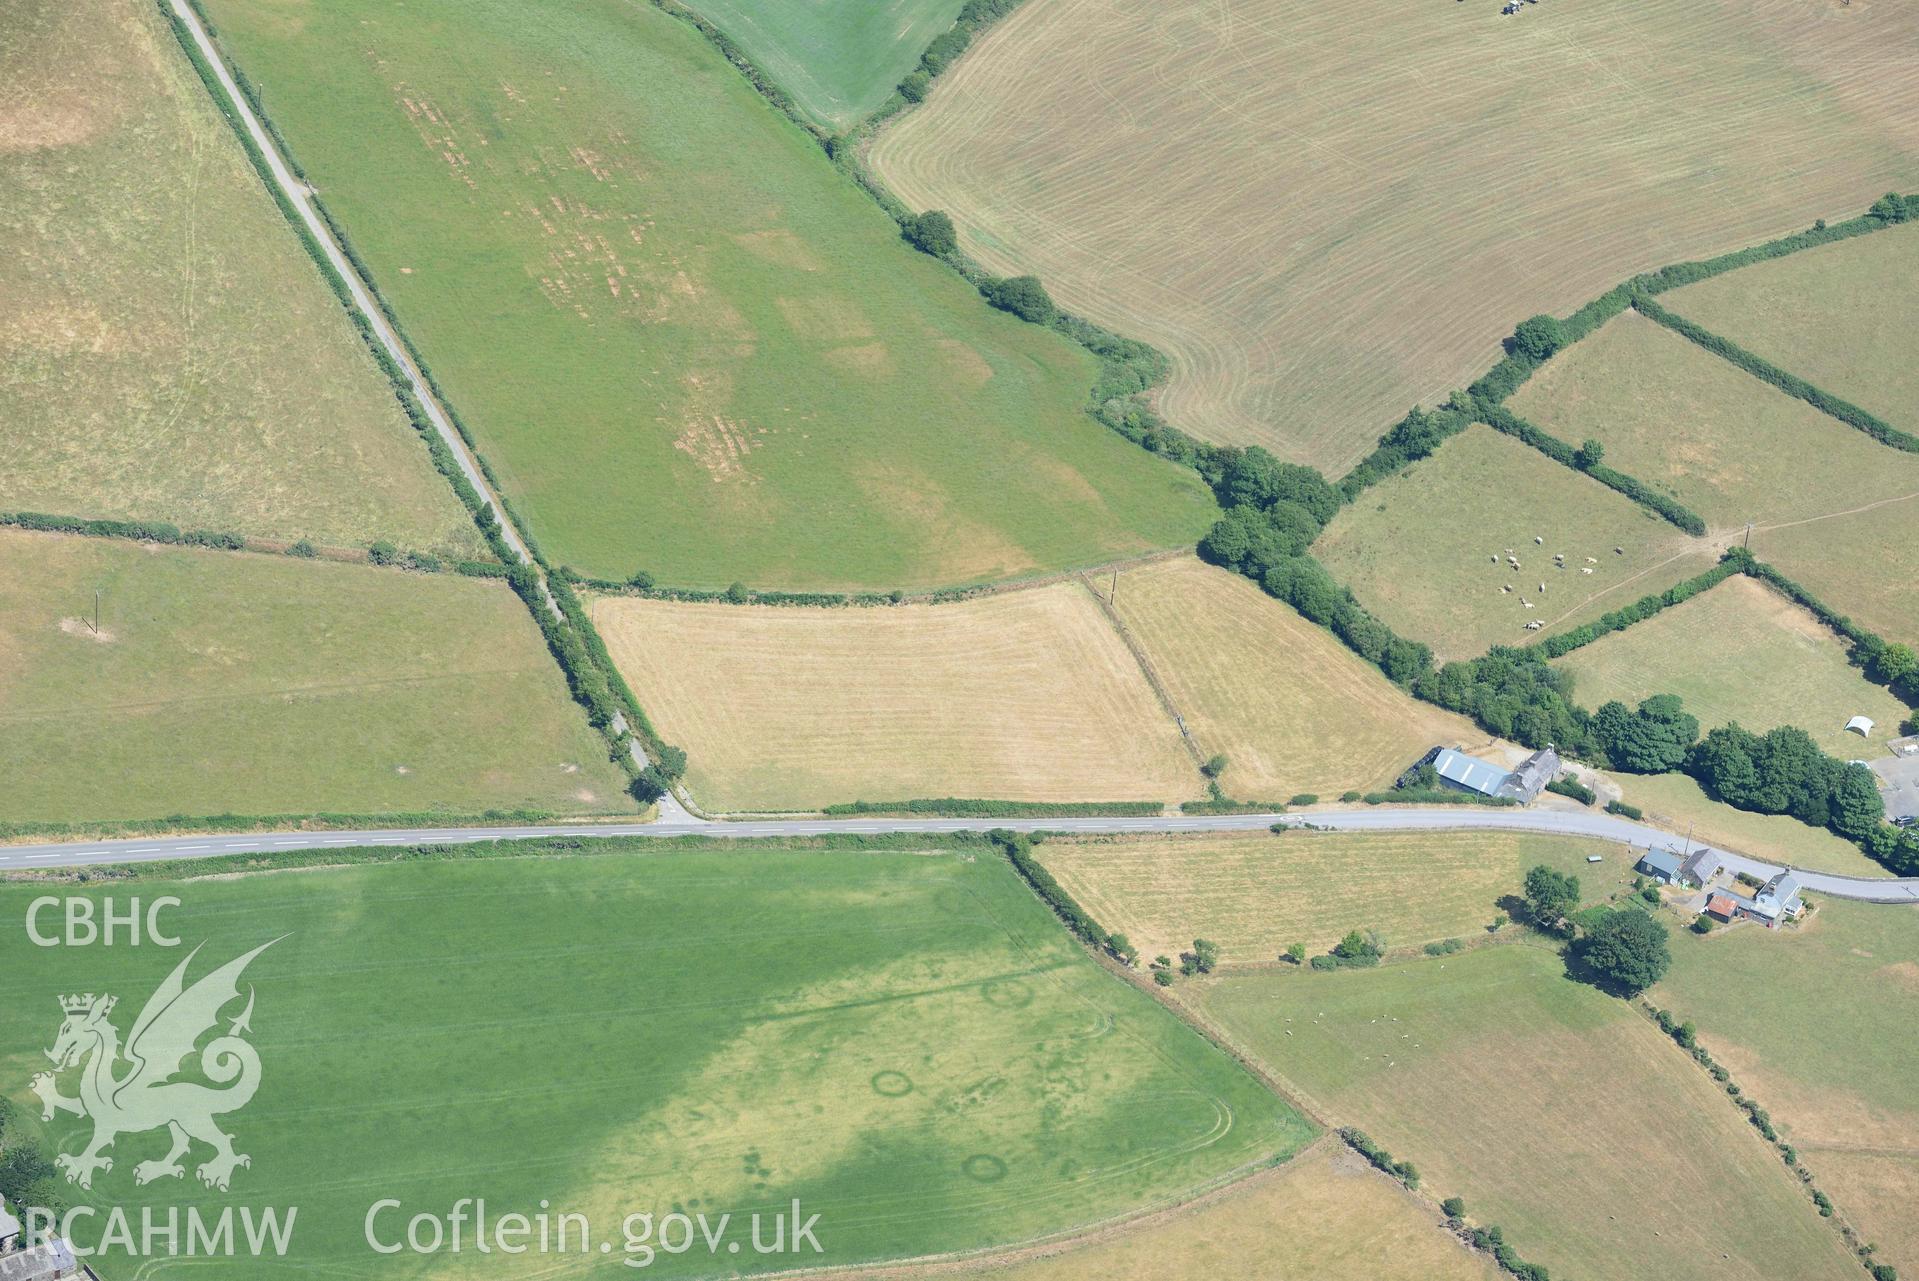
x: 144, y: 1094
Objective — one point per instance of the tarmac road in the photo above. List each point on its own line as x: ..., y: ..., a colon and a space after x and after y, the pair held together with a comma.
x: 678, y: 823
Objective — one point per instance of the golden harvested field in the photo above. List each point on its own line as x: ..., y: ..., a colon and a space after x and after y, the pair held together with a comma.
x: 1324, y: 213
x: 1841, y: 316
x: 1292, y: 708
x: 1425, y: 549
x: 1324, y: 1216
x: 1025, y: 695
x: 1732, y: 448
x: 167, y: 349
x: 1741, y: 652
x: 1820, y: 1032
x: 1678, y: 804
x: 1256, y: 895
x: 1558, y: 1112
x: 236, y: 683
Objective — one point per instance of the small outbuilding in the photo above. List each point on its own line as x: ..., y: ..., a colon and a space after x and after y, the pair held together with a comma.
x: 1662, y: 865
x: 1860, y: 725
x: 1721, y: 905
x: 1699, y: 867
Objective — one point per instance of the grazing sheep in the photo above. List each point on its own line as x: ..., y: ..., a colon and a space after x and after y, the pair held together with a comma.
x: 1586, y: 569
x: 1539, y: 540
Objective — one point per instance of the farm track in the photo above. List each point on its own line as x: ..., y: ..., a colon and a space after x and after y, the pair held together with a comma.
x: 47, y: 857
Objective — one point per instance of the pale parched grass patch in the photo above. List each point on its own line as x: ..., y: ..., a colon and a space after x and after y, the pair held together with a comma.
x: 167, y: 349
x: 1026, y: 695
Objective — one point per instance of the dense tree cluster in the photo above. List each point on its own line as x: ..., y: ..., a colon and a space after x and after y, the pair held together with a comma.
x: 1653, y: 740
x: 1784, y: 772
x: 932, y: 232
x: 1551, y: 898
x: 1024, y: 296
x: 1516, y: 694
x: 1537, y: 338
x: 1626, y: 951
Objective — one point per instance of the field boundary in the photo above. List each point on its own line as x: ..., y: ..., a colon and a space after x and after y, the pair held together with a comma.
x: 380, y: 553
x: 966, y: 807
x: 1416, y: 436
x: 1735, y: 560
x: 860, y: 600
x: 443, y: 460
x: 1146, y: 669
x: 1864, y: 646
x: 1783, y: 380
x: 650, y: 763
x: 1129, y: 367
x: 12, y: 832
x: 1505, y: 421
x: 1684, y: 1036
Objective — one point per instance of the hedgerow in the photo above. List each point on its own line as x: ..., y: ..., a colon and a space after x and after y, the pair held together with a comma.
x: 1018, y: 848
x: 960, y: 807
x: 1735, y: 560
x: 1792, y: 384
x: 318, y: 821
x: 1413, y: 437
x: 1501, y: 419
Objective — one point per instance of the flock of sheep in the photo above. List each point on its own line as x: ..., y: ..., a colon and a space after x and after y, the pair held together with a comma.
x: 1559, y: 562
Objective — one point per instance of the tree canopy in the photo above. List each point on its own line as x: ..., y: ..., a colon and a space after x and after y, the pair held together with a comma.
x: 1551, y: 897
x: 1653, y: 740
x: 1626, y: 951
x: 1539, y: 337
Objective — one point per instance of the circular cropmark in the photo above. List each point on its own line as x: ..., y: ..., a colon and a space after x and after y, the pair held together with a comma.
x: 892, y: 1084
x: 982, y: 1168
x: 1007, y: 994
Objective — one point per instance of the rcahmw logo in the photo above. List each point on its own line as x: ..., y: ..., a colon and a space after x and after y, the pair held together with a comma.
x: 134, y: 1086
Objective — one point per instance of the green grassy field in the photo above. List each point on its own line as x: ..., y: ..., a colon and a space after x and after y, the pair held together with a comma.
x: 167, y: 349
x: 1555, y: 1111
x: 906, y: 1042
x: 1839, y: 316
x: 839, y: 58
x: 683, y: 339
x: 1732, y: 448
x: 1817, y: 1023
x: 1741, y: 652
x: 234, y: 683
x: 1256, y: 895
x: 1425, y: 549
x: 1678, y: 804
